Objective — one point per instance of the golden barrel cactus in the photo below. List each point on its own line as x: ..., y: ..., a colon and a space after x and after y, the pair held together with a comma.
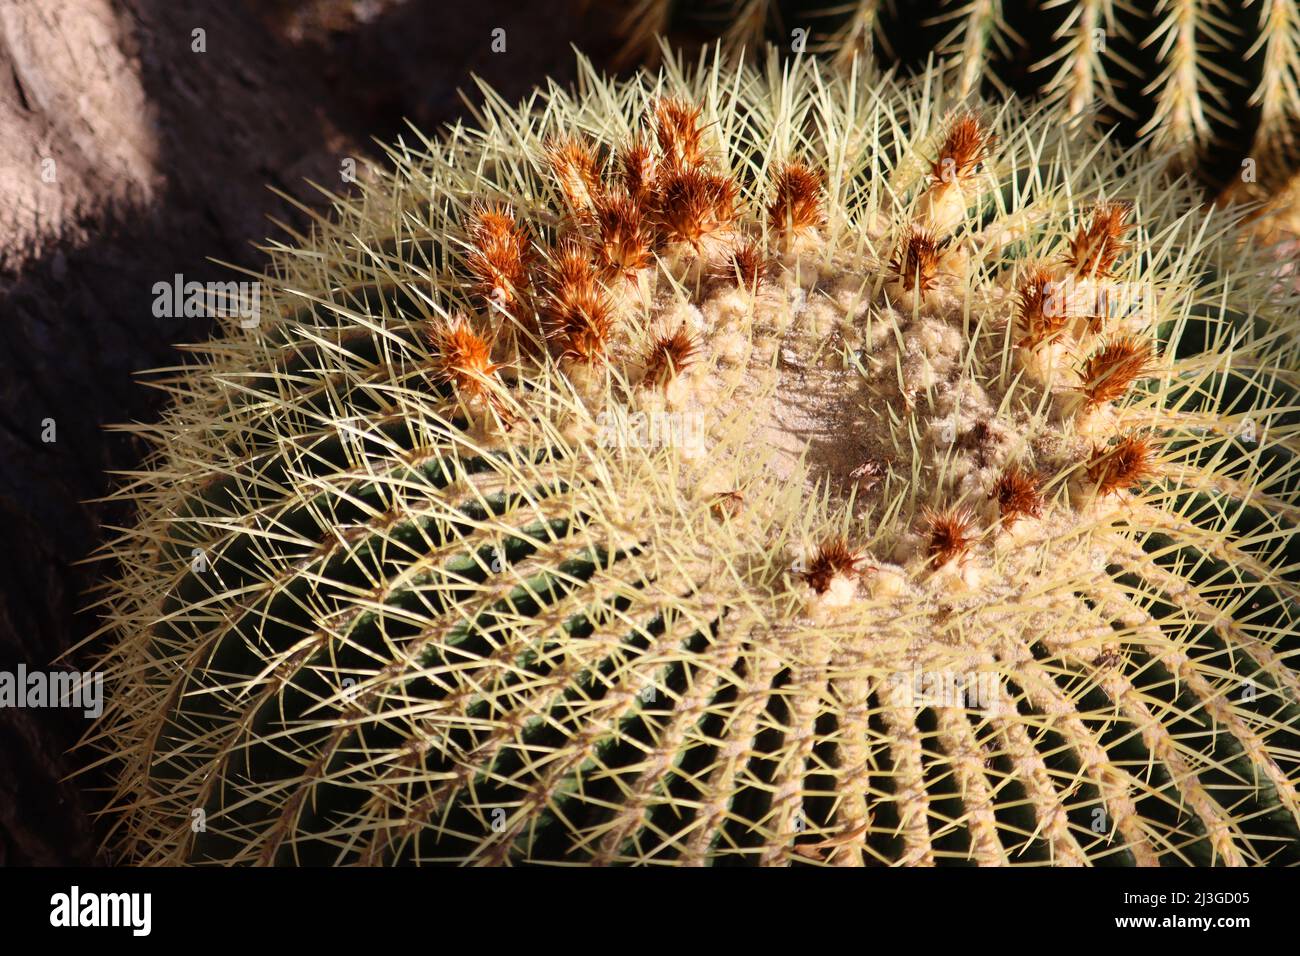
x: 725, y: 466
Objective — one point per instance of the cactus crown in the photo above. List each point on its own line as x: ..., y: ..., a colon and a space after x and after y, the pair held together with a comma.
x: 726, y: 466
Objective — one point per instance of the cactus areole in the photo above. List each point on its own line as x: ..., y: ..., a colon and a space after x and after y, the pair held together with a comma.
x: 726, y: 466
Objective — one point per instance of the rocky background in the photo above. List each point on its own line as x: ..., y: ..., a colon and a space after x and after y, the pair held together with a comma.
x: 127, y: 156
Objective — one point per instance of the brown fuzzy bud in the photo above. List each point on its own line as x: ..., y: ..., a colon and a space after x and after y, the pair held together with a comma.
x: 1121, y: 466
x: 966, y: 144
x: 499, y: 253
x: 1108, y: 372
x: 916, y: 263
x: 680, y: 135
x: 833, y: 559
x: 669, y: 355
x: 696, y: 203
x: 796, y: 205
x: 951, y: 534
x: 1096, y: 247
x: 1018, y: 494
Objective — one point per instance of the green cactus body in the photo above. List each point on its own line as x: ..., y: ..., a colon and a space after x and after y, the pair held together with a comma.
x: 726, y: 467
x: 1212, y: 83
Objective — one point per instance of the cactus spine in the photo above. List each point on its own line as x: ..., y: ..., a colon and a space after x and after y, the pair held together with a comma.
x: 1213, y: 84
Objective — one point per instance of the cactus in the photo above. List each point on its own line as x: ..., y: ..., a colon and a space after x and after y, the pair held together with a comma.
x: 1213, y: 83
x: 725, y: 466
